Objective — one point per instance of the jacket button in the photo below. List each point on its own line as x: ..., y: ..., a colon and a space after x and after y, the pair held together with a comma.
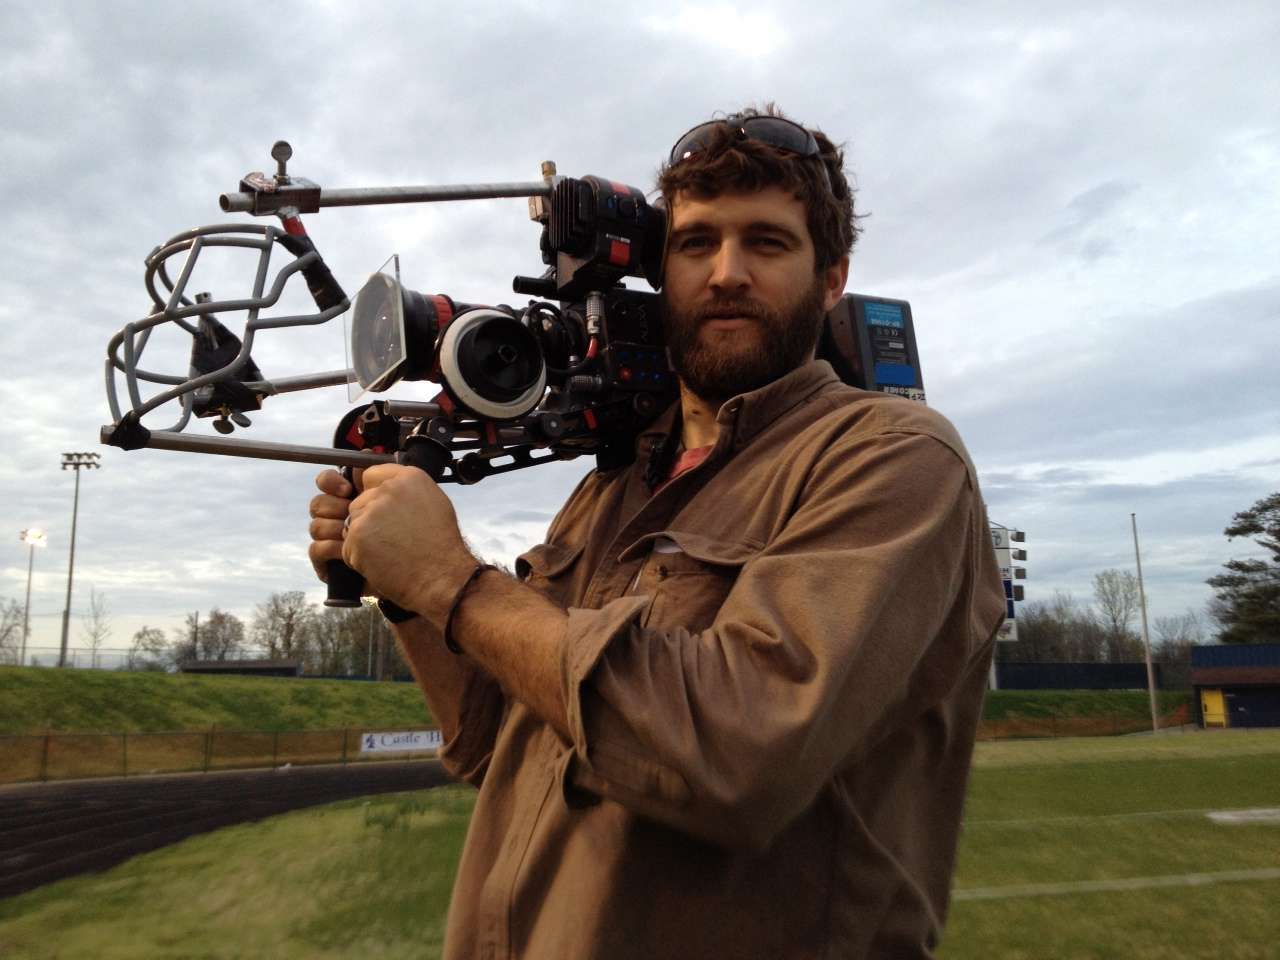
x: 661, y: 572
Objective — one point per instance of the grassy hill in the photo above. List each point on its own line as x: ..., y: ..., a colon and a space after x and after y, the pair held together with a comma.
x: 108, y: 701
x: 1007, y: 704
x: 112, y: 701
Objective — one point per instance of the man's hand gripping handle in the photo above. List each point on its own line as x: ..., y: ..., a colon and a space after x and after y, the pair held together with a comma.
x: 419, y: 450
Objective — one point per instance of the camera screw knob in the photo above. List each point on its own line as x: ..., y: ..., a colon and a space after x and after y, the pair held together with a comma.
x: 281, y: 153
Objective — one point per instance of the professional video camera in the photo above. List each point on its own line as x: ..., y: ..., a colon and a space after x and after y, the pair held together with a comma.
x: 580, y: 369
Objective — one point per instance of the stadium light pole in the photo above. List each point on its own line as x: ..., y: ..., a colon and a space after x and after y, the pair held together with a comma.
x: 1146, y: 640
x: 73, y: 461
x: 33, y: 538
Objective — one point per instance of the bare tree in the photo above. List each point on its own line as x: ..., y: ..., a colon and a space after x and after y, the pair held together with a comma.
x: 95, y: 626
x: 1116, y: 592
x: 221, y: 636
x: 285, y: 625
x: 1058, y: 630
x: 10, y: 630
x: 186, y: 640
x: 150, y: 650
x: 1177, y: 634
x: 356, y: 642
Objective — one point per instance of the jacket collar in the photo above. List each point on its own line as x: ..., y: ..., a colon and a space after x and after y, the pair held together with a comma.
x: 745, y: 416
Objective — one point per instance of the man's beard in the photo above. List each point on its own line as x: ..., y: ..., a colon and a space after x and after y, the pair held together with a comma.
x: 718, y: 364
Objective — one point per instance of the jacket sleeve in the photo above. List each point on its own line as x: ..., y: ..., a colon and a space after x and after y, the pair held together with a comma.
x: 467, y: 753
x: 865, y: 608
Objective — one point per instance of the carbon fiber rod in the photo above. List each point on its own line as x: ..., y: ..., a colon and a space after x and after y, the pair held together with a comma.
x: 258, y: 449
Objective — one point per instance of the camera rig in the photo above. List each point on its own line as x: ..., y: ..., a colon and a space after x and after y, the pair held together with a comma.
x: 577, y: 371
x: 581, y: 369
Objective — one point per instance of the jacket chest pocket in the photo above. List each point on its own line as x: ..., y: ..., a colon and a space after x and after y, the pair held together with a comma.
x: 550, y: 568
x: 689, y: 579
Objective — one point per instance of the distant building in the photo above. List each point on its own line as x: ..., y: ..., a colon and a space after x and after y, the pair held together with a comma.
x: 251, y: 668
x: 1237, y: 684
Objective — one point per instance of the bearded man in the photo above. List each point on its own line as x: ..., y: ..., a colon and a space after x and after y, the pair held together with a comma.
x: 727, y: 708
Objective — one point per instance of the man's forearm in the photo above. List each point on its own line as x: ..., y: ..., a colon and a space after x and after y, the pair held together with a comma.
x: 505, y: 627
x: 402, y: 534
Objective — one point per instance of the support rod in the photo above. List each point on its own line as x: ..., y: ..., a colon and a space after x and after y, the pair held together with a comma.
x: 259, y: 449
x: 369, y: 196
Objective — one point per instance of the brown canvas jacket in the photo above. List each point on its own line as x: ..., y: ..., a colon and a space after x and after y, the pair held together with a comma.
x: 773, y: 669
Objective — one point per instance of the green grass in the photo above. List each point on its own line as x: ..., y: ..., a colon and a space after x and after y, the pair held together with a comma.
x: 371, y: 878
x: 1113, y: 809
x: 358, y: 879
x: 110, y: 701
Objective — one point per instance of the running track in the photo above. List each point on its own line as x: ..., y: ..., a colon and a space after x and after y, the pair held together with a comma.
x: 49, y: 831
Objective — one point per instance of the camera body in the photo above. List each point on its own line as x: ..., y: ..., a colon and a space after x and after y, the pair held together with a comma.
x: 579, y: 370
x: 595, y: 358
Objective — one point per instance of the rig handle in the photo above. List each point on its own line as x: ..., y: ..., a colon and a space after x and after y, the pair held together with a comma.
x: 427, y: 454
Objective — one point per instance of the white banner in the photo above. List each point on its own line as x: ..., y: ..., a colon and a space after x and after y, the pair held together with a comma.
x: 400, y: 742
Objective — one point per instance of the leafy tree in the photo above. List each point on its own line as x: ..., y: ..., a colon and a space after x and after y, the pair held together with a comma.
x: 1247, y: 601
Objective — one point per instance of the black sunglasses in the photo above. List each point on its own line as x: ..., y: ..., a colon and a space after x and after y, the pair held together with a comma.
x: 772, y: 131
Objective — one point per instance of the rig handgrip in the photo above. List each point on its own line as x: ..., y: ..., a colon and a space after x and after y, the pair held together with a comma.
x: 345, y: 585
x: 427, y: 454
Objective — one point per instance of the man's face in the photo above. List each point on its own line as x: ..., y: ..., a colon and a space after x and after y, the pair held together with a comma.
x: 742, y: 303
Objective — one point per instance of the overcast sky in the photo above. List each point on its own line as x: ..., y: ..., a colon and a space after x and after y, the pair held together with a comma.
x: 1081, y: 202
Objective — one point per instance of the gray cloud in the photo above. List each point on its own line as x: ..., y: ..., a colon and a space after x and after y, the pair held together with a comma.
x: 1081, y: 205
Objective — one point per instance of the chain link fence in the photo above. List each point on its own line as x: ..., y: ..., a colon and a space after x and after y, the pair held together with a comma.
x: 54, y: 755
x: 1100, y: 725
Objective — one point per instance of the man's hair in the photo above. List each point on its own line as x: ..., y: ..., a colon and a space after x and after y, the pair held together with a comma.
x: 729, y: 162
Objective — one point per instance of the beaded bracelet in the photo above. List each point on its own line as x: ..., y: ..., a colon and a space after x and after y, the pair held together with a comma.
x: 457, y: 599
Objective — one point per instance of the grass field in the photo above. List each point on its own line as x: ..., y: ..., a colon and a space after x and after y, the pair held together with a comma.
x: 1089, y: 848
x: 1102, y: 848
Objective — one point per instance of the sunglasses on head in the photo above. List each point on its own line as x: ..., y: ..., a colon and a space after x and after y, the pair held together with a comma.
x: 771, y: 131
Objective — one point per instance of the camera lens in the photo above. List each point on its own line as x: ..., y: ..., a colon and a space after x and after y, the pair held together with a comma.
x: 491, y: 364
x: 499, y: 359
